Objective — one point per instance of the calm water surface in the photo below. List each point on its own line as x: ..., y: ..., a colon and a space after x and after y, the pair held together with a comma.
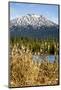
x: 51, y: 58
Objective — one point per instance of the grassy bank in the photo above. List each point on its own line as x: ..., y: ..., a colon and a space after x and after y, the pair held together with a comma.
x: 48, y: 46
x: 24, y: 71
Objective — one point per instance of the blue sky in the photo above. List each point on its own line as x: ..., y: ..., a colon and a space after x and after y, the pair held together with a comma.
x: 21, y: 9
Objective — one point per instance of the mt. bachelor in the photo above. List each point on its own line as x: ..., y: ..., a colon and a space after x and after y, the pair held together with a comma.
x: 35, y: 26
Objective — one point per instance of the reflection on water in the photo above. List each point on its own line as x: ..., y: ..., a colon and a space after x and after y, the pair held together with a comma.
x: 50, y: 58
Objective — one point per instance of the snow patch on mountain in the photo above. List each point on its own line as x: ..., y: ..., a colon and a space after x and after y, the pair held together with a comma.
x: 33, y: 20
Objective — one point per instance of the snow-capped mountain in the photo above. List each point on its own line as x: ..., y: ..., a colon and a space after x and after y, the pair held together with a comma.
x: 33, y: 26
x: 34, y: 20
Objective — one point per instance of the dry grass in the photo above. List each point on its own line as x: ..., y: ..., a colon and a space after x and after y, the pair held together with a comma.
x: 25, y: 72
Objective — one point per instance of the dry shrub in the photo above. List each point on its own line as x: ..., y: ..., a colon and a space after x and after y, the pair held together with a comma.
x: 25, y: 72
x: 48, y: 73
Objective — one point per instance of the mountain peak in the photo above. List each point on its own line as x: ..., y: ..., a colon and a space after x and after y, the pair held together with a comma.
x: 35, y: 26
x: 33, y: 15
x: 33, y: 20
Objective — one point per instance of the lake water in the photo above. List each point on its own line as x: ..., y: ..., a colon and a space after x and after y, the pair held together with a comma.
x: 39, y: 58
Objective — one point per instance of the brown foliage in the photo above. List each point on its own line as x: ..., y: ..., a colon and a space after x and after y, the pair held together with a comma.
x: 25, y: 72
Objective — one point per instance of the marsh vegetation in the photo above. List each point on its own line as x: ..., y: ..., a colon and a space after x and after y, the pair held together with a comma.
x: 24, y: 71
